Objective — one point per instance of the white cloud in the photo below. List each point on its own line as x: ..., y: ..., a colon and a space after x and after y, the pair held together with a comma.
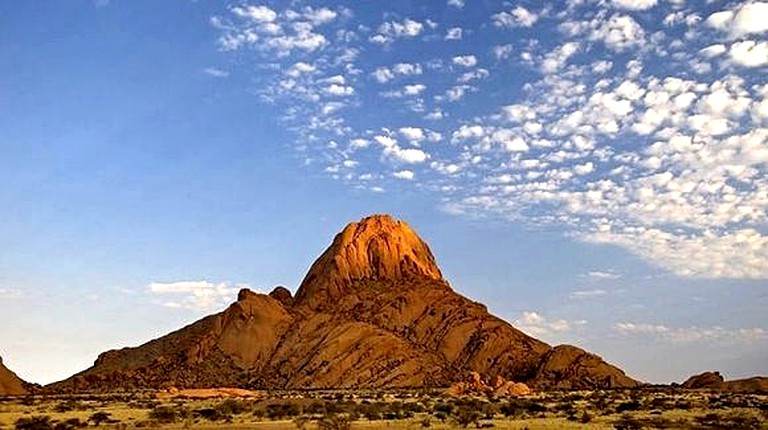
x: 414, y: 90
x: 404, y: 174
x: 454, y: 33
x: 749, y: 53
x: 386, y: 74
x: 197, y: 295
x: 465, y: 60
x: 587, y: 294
x: 392, y: 150
x: 746, y: 18
x: 516, y: 17
x: 391, y: 30
x: 557, y: 59
x: 456, y: 3
x: 713, y: 50
x: 256, y: 13
x: 216, y: 73
x: 691, y: 334
x: 602, y: 275
x: 502, y: 52
x: 414, y: 134
x: 634, y: 4
x: 536, y: 325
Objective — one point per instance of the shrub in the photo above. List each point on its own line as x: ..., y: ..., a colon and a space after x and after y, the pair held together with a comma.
x: 631, y: 405
x: 334, y: 422
x: 101, y: 417
x: 627, y: 422
x: 232, y: 407
x: 466, y: 415
x: 70, y: 424
x: 164, y: 414
x: 34, y: 423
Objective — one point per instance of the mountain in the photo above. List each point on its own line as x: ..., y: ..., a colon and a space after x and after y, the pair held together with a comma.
x: 10, y: 384
x: 372, y: 312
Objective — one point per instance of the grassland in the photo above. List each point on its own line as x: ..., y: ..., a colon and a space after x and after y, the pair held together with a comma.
x: 631, y: 409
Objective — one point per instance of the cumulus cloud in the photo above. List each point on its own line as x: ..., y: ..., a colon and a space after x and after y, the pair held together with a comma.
x: 743, y: 19
x: 392, y: 150
x: 386, y: 74
x: 454, y: 33
x: 465, y: 60
x: 196, y: 295
x: 537, y: 325
x: 516, y: 17
x: 404, y: 174
x: 749, y: 53
x: 647, y: 131
x: 634, y: 4
x: 389, y: 31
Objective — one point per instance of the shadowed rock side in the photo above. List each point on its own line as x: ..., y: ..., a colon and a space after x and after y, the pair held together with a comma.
x: 372, y: 312
x: 10, y: 384
x: 570, y: 368
x: 714, y: 381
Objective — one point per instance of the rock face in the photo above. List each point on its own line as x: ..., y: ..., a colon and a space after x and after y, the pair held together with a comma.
x: 372, y: 312
x: 714, y: 381
x: 571, y: 368
x: 10, y: 384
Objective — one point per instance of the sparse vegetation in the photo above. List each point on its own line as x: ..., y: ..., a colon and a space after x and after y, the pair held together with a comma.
x: 398, y: 409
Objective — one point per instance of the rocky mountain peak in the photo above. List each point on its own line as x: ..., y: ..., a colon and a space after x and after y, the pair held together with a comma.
x: 377, y: 247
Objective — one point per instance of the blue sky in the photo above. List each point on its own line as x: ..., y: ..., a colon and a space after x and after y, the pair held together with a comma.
x: 593, y: 170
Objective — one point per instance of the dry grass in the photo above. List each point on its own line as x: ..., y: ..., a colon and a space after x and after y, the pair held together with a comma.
x: 405, y: 410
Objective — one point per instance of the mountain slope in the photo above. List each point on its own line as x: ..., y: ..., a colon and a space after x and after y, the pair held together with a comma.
x: 372, y: 312
x: 10, y: 384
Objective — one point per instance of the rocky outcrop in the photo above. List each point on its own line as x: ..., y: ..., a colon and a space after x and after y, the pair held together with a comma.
x: 706, y: 380
x: 372, y: 312
x: 714, y: 381
x: 10, y: 384
x: 571, y: 368
x: 475, y: 385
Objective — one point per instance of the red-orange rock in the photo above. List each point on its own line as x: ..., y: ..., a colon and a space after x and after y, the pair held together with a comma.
x: 10, y: 384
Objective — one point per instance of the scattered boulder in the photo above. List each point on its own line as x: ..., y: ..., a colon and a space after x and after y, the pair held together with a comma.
x: 475, y: 385
x: 206, y: 393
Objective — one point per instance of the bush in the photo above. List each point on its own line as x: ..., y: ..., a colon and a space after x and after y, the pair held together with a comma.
x: 334, y: 422
x: 627, y: 422
x: 164, y: 415
x: 70, y: 424
x: 466, y: 415
x: 632, y: 405
x: 101, y: 417
x: 34, y: 423
x: 232, y: 407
